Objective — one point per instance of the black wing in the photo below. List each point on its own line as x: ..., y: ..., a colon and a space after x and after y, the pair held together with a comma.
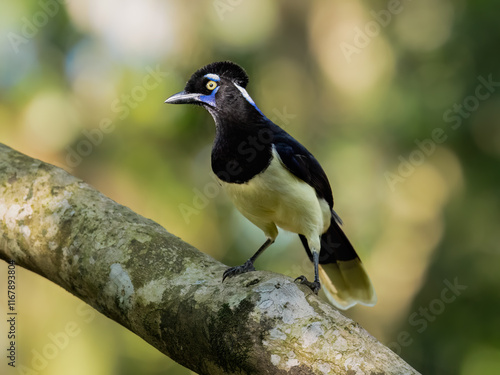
x: 299, y: 161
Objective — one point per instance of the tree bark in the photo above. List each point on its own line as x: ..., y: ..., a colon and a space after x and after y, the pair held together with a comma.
x: 164, y: 290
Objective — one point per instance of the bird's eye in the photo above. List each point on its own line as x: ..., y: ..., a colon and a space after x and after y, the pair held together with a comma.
x: 211, y: 85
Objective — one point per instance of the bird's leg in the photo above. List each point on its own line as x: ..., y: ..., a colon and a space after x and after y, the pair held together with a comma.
x: 248, y: 265
x: 315, y: 285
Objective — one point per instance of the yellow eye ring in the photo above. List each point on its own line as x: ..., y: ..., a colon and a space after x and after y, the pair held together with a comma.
x: 211, y: 85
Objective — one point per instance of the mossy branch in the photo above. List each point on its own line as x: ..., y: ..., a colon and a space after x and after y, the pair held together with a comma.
x: 166, y: 291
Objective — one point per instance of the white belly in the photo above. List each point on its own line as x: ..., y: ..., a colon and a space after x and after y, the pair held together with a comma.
x: 276, y: 197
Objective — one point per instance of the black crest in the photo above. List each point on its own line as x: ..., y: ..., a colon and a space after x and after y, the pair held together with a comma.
x: 224, y: 69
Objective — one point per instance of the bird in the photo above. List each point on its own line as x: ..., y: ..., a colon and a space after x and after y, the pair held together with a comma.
x: 274, y: 181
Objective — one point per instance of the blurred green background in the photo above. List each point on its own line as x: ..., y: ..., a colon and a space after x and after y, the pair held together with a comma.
x: 399, y: 100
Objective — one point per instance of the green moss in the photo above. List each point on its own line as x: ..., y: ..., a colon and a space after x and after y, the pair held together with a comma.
x: 30, y: 193
x: 230, y: 337
x: 12, y: 179
x: 55, y: 190
x: 152, y: 250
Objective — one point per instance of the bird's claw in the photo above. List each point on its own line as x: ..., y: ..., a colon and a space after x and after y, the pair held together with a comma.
x: 233, y: 271
x: 315, y: 285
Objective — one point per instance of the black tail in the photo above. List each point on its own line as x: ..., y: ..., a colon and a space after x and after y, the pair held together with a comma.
x: 342, y: 274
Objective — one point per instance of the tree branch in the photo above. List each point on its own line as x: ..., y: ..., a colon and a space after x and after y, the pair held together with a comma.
x: 166, y: 291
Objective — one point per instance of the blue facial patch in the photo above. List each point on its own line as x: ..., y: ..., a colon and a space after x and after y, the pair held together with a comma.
x: 213, y: 77
x: 210, y: 99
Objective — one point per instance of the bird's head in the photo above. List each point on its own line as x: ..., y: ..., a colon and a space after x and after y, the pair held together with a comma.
x: 220, y: 88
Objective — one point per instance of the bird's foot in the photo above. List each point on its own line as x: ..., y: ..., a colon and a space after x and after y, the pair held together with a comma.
x: 315, y: 285
x: 233, y: 271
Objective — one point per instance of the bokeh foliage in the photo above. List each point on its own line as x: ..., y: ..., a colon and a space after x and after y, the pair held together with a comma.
x: 391, y: 96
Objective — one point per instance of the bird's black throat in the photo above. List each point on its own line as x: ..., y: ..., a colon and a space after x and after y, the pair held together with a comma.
x: 241, y: 150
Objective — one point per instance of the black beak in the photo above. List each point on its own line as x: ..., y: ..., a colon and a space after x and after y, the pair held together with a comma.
x: 184, y: 98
